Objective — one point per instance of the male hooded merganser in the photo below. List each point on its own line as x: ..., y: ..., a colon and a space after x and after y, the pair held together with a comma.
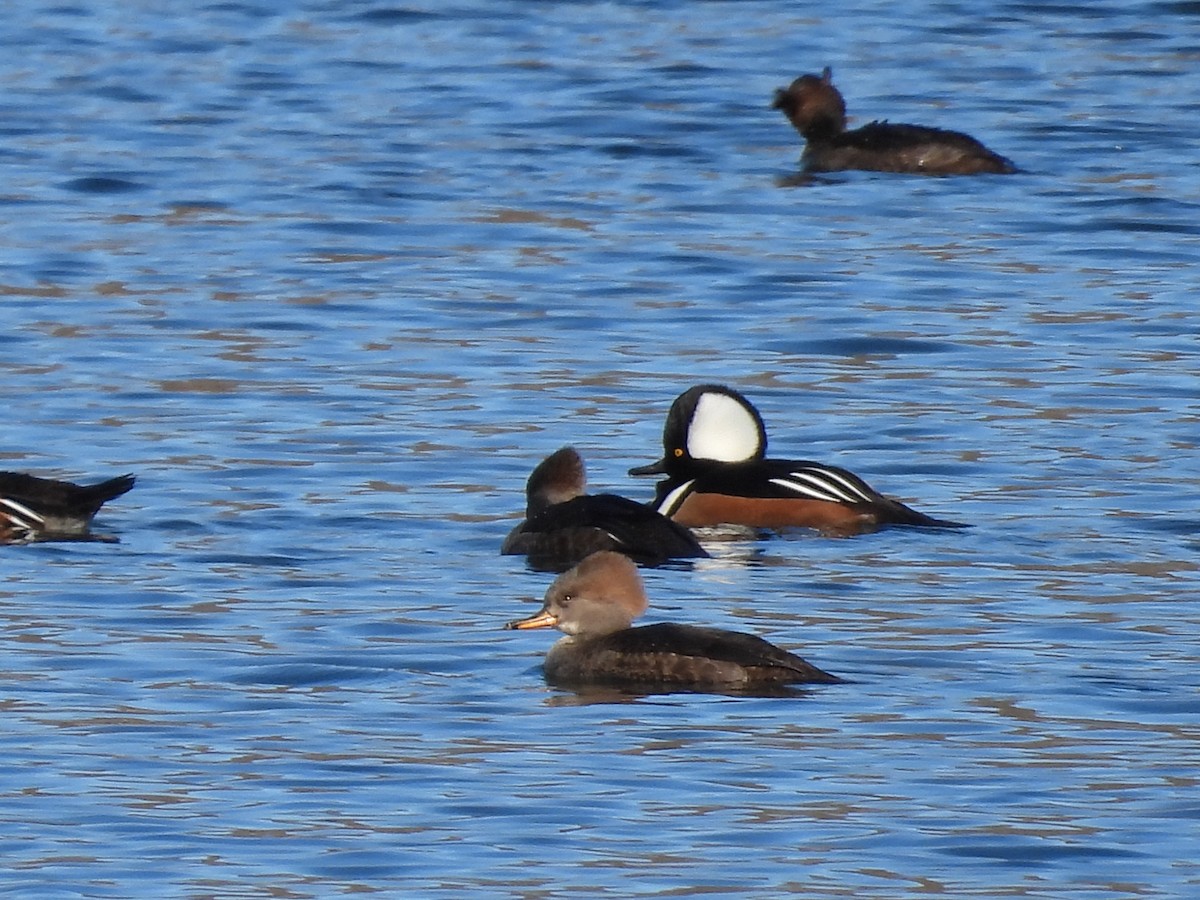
x: 717, y: 472
x: 594, y: 605
x: 816, y: 110
x: 42, y: 509
x: 563, y: 524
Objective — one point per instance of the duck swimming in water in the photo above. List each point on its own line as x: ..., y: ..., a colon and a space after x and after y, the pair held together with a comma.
x: 43, y: 509
x: 816, y: 109
x: 717, y: 473
x: 563, y: 524
x: 594, y: 605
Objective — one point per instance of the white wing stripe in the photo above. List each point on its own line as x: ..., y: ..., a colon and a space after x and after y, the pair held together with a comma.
x: 847, y: 483
x: 816, y: 491
x: 821, y: 484
x: 23, y: 521
x: 20, y: 514
x: 672, y: 500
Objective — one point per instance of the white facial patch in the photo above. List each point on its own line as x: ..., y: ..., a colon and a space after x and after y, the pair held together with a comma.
x: 722, y: 429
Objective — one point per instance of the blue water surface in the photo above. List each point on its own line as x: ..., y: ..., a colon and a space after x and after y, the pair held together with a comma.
x: 331, y: 278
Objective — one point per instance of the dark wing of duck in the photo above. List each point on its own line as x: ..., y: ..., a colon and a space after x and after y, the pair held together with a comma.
x: 804, y: 480
x: 683, y: 654
x: 33, y: 508
x: 565, y: 533
x: 915, y: 147
x: 46, y: 495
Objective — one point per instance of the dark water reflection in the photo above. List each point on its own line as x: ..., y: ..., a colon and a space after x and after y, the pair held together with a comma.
x: 332, y: 278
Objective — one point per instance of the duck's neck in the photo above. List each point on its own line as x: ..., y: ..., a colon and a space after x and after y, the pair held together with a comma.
x: 824, y: 127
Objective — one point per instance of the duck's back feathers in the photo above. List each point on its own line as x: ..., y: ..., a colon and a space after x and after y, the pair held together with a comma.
x: 562, y: 534
x: 821, y: 481
x: 33, y: 508
x: 668, y: 653
x: 895, y: 147
x: 51, y: 495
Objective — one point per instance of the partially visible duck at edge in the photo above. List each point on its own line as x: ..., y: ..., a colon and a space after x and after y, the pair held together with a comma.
x: 563, y: 524
x: 594, y: 605
x: 816, y: 109
x: 717, y: 473
x: 43, y: 509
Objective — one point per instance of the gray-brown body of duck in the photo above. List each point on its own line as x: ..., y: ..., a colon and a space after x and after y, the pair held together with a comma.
x: 563, y: 524
x: 817, y: 110
x: 594, y: 605
x: 45, y: 509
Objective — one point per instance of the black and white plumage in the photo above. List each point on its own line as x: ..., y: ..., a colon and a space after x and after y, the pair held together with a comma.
x: 717, y: 472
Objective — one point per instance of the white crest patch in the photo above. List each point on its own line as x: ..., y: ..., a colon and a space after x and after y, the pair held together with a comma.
x: 722, y: 429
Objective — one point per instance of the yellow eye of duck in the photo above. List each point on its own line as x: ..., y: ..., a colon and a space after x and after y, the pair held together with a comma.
x: 678, y: 452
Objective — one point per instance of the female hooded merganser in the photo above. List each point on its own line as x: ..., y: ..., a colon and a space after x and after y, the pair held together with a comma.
x: 563, y: 524
x: 717, y: 472
x: 42, y: 509
x: 594, y: 605
x: 816, y: 110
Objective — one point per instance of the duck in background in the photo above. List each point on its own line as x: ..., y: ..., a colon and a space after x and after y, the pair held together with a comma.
x: 563, y: 523
x: 594, y: 605
x: 43, y: 509
x: 717, y: 473
x: 816, y: 109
